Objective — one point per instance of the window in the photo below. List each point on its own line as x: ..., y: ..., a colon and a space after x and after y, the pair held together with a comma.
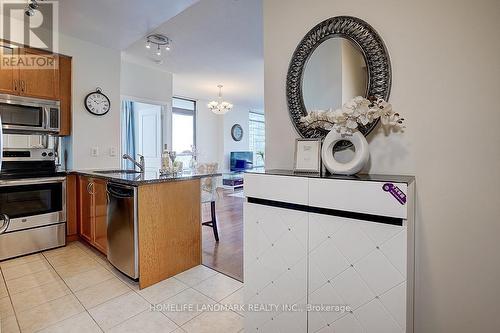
x: 183, y: 128
x: 257, y: 137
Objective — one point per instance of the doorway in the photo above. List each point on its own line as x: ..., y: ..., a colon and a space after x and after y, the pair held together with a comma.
x: 141, y: 125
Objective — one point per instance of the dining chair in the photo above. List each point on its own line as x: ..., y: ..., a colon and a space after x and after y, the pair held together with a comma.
x: 209, y: 194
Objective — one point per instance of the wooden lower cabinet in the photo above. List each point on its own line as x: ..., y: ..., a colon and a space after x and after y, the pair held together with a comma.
x: 100, y: 240
x: 92, y: 212
x: 85, y: 207
x: 169, y: 229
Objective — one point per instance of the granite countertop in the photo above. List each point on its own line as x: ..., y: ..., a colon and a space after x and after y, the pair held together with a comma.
x: 137, y: 179
x: 361, y: 177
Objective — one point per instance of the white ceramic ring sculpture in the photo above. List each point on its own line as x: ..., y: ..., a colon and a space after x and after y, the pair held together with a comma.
x: 361, y: 153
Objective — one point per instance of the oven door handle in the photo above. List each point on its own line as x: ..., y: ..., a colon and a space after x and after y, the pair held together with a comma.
x: 32, y: 181
x: 4, y: 224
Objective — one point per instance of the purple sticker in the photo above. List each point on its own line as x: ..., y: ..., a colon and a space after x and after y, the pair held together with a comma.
x: 396, y: 192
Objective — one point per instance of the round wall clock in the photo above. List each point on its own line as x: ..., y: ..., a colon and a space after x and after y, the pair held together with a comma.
x: 97, y: 103
x: 237, y: 132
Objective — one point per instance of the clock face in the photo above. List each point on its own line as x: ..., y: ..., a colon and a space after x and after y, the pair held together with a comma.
x: 237, y: 132
x: 97, y: 103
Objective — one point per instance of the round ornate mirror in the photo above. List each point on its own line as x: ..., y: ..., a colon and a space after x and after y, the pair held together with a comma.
x: 340, y: 58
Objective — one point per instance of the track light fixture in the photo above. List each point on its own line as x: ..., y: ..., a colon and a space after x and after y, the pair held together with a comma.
x: 28, y: 11
x: 160, y: 41
x: 30, y: 8
x: 33, y: 4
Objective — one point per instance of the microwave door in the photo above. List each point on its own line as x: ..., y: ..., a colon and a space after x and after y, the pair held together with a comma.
x: 18, y: 118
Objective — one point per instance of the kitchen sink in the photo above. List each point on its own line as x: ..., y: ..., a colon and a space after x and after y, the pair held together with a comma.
x: 107, y: 172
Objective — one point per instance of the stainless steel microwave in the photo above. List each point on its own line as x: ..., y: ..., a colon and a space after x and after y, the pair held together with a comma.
x: 20, y: 114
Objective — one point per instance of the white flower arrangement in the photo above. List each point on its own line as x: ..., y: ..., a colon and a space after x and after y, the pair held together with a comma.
x: 359, y: 110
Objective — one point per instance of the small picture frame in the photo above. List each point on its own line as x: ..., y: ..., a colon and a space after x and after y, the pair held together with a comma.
x: 307, y: 155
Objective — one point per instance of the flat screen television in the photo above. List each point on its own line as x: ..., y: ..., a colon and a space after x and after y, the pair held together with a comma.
x: 241, y: 160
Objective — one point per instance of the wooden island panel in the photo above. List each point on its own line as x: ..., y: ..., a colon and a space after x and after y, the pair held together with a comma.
x: 169, y: 229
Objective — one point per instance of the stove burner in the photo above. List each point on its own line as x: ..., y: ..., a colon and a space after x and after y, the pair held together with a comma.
x: 28, y: 163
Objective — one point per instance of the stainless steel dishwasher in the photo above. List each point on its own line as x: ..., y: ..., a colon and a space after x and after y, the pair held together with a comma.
x: 122, y: 229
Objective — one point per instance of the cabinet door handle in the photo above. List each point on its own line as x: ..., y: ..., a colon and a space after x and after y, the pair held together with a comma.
x: 92, y: 190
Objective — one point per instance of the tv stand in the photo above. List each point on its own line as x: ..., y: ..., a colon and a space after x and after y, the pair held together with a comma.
x: 232, y: 181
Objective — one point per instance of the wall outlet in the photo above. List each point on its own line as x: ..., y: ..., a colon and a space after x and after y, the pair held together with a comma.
x: 94, y: 151
x: 112, y: 151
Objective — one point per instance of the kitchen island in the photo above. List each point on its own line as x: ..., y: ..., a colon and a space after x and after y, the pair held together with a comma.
x: 167, y: 213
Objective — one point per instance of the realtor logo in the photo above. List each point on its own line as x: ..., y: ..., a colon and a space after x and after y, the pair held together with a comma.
x: 395, y: 192
x: 33, y: 24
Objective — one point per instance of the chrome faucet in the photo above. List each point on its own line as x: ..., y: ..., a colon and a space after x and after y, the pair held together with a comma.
x: 140, y: 165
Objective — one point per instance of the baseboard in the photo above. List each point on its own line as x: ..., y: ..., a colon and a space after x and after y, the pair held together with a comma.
x: 72, y: 238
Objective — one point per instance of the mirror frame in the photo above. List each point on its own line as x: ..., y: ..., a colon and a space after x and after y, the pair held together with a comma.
x: 377, y: 60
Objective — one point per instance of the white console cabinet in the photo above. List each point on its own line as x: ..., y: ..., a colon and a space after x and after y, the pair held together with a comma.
x: 328, y: 241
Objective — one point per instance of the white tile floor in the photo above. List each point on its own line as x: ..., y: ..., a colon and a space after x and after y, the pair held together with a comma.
x: 75, y: 289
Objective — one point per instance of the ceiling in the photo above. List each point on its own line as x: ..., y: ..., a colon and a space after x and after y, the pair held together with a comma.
x: 214, y: 42
x: 116, y: 23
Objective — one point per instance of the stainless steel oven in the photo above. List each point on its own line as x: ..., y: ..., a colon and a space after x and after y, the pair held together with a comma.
x: 32, y: 215
x: 29, y: 115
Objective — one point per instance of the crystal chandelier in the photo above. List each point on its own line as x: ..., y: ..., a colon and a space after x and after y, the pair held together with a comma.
x: 220, y: 106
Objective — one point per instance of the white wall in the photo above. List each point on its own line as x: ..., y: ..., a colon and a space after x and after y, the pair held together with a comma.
x: 238, y: 115
x: 208, y: 134
x: 93, y: 66
x: 149, y: 85
x: 446, y: 69
x: 146, y: 83
x: 322, y: 80
x: 354, y: 72
x: 334, y: 74
x: 213, y: 132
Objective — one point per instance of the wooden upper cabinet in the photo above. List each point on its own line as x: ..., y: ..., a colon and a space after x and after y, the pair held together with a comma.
x: 53, y: 81
x: 65, y: 94
x: 9, y: 76
x: 40, y: 83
